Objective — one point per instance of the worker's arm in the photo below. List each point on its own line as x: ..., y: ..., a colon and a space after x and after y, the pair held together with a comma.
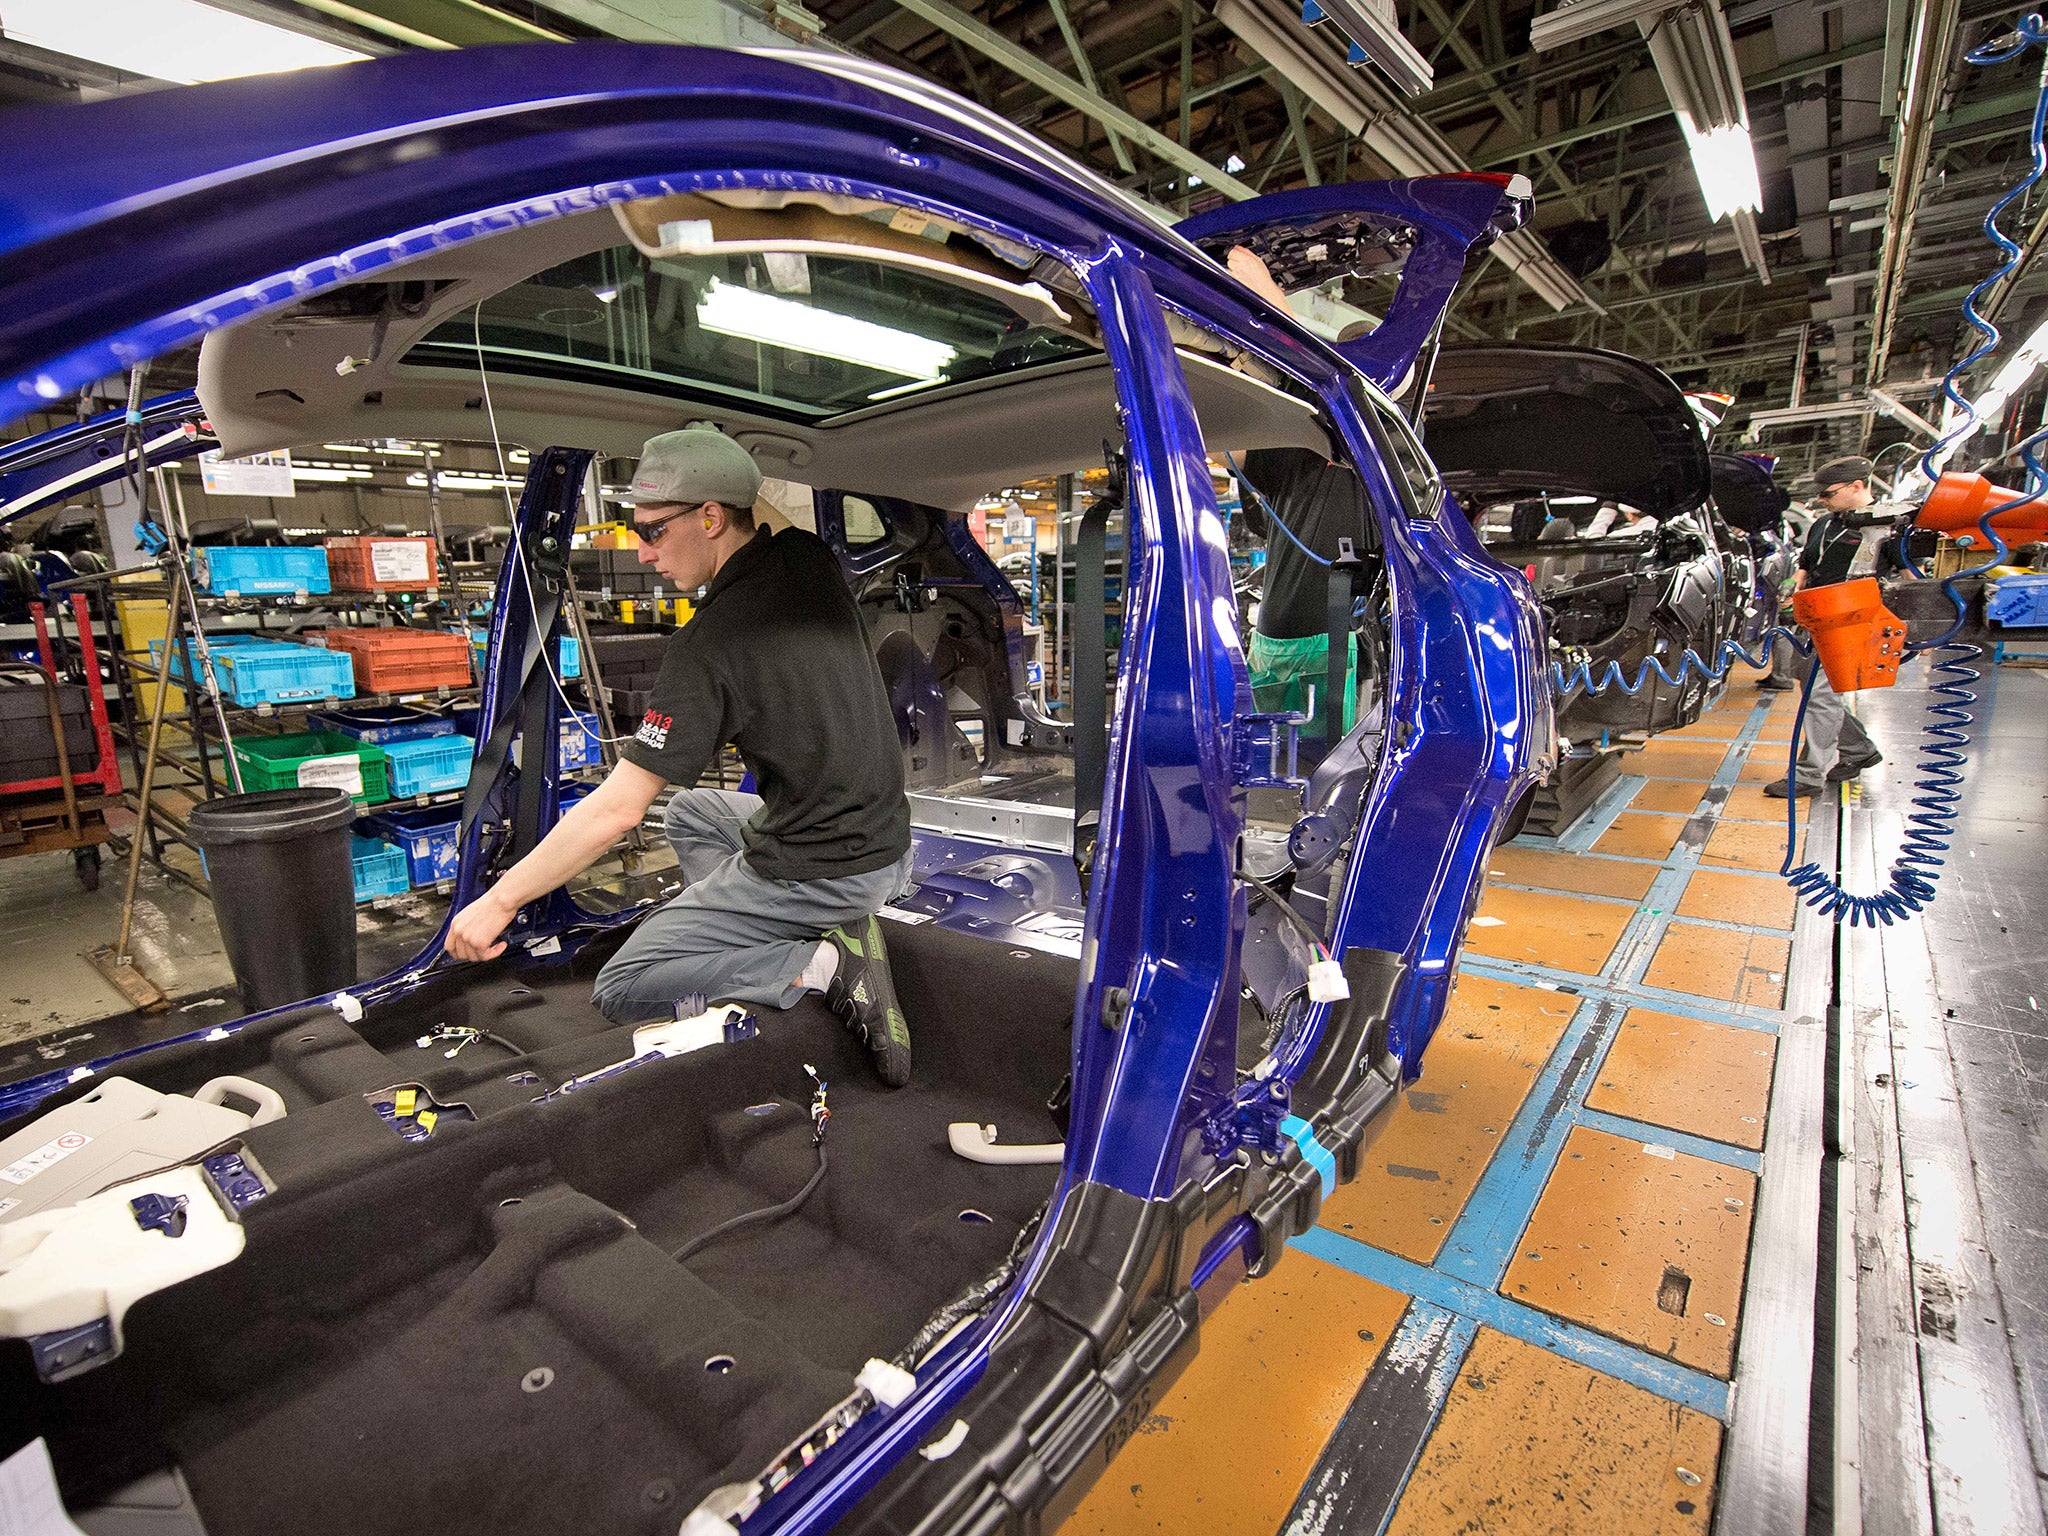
x: 1249, y: 270
x: 579, y: 840
x: 1799, y: 581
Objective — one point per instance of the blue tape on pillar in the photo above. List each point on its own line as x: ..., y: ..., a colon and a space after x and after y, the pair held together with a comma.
x: 1318, y: 1156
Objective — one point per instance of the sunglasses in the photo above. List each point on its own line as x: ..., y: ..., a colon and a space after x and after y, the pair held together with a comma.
x: 655, y: 531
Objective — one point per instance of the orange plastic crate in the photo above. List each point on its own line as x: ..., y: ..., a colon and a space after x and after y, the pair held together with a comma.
x: 401, y: 660
x: 370, y: 563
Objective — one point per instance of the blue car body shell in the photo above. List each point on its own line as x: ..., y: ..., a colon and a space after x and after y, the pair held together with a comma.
x: 138, y: 225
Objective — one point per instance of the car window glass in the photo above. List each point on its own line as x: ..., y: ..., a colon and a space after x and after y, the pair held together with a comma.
x: 1414, y: 475
x: 864, y: 523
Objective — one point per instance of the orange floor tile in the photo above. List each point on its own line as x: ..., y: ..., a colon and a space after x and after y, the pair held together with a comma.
x: 1721, y: 963
x: 1644, y: 1247
x: 1572, y: 933
x: 1714, y: 725
x: 1294, y: 1346
x: 1536, y: 1445
x: 1571, y: 872
x: 1640, y: 835
x: 1726, y: 896
x: 1748, y: 802
x: 1713, y: 1080
x: 1419, y: 1164
x: 1762, y: 766
x: 1679, y: 797
x: 1679, y: 759
x: 1758, y: 845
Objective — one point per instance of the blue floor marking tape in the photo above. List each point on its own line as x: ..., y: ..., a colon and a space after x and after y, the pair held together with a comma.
x: 1665, y: 1378
x: 1663, y: 1136
x: 1572, y: 984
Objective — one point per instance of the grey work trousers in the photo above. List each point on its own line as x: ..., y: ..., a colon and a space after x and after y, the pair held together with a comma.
x: 731, y: 934
x: 1831, y: 734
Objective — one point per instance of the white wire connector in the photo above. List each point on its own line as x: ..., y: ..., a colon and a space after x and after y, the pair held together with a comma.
x: 1326, y: 983
x: 887, y: 1384
x: 349, y: 1007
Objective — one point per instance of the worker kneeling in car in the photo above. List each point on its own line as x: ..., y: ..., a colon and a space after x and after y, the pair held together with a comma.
x: 781, y: 888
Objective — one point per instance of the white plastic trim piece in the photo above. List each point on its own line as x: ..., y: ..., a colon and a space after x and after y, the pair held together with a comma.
x: 268, y: 1101
x: 977, y: 1143
x: 349, y: 1007
x: 947, y: 1443
x: 887, y: 1384
x: 1326, y: 983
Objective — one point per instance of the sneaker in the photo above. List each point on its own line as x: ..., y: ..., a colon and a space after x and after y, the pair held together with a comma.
x: 1777, y: 791
x: 1772, y: 685
x: 863, y: 995
x: 1844, y: 769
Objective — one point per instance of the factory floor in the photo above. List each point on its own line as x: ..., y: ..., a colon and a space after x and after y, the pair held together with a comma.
x: 1588, y: 1279
x: 1704, y: 1215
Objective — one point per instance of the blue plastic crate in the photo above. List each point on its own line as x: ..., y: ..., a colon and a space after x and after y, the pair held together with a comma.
x: 570, y: 656
x: 251, y: 671
x: 235, y: 571
x: 392, y: 722
x: 428, y: 765
x: 570, y: 794
x: 427, y: 837
x: 2018, y: 602
x: 380, y: 868
x: 579, y: 741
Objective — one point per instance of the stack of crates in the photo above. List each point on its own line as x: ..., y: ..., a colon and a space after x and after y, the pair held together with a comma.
x: 370, y: 563
x: 568, y: 656
x: 381, y: 724
x: 401, y: 660
x: 230, y: 570
x: 579, y: 739
x: 427, y: 838
x: 629, y: 657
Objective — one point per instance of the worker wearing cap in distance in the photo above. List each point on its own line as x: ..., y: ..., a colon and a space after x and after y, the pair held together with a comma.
x: 782, y: 887
x: 1834, y: 745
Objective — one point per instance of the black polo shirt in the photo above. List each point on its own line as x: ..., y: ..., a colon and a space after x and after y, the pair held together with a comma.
x: 777, y: 663
x: 1830, y: 550
x: 1322, y: 503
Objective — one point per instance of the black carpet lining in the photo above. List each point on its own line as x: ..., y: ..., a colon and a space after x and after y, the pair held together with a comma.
x: 487, y: 1332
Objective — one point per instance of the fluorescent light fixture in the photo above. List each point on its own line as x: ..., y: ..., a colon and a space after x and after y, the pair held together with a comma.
x: 177, y: 40
x: 1233, y: 163
x: 1373, y: 31
x: 464, y: 480
x: 772, y: 321
x: 900, y: 389
x: 605, y: 294
x: 1725, y: 162
x: 330, y: 476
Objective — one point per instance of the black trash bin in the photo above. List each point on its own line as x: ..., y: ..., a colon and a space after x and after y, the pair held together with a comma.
x: 284, y: 890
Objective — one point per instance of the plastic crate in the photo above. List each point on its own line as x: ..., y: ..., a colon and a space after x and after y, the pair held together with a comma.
x: 579, y: 741
x: 570, y: 657
x: 380, y: 868
x: 371, y: 563
x: 428, y: 765
x: 252, y: 671
x: 232, y: 570
x: 313, y: 758
x: 401, y: 660
x: 381, y: 724
x: 570, y: 794
x: 2017, y: 602
x: 428, y: 838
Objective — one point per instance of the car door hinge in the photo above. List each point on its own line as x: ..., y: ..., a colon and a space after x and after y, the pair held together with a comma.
x: 1262, y: 750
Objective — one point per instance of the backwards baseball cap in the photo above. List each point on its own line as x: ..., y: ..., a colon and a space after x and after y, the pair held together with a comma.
x: 1841, y: 472
x: 697, y: 464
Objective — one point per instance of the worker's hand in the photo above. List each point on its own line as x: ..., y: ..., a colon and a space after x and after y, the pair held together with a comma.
x: 1251, y: 271
x: 474, y: 933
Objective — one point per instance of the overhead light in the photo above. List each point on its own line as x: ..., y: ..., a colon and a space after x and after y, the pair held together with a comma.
x: 315, y: 472
x: 1724, y: 160
x: 1374, y: 34
x: 465, y: 480
x: 182, y: 41
x: 604, y: 295
x: 1233, y: 163
x: 731, y: 310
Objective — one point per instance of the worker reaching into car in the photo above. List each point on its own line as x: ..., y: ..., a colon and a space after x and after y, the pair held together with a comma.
x: 1318, y: 502
x: 1834, y: 745
x: 781, y: 888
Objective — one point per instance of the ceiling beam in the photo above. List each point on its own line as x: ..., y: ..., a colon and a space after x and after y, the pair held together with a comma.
x: 993, y: 45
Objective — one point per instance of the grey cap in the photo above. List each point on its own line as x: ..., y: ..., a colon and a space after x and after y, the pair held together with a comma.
x: 697, y: 464
x: 1841, y: 472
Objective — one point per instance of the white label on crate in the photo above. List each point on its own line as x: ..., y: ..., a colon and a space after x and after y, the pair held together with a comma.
x: 398, y: 560
x: 343, y: 772
x: 47, y: 1156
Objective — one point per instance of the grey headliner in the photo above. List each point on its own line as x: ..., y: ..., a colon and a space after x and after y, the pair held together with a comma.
x: 944, y: 449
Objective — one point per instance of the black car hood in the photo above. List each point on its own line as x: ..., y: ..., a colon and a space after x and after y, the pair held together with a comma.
x: 1506, y: 422
x: 1745, y: 495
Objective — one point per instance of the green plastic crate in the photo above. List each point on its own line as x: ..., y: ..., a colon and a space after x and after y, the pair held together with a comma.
x: 310, y: 760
